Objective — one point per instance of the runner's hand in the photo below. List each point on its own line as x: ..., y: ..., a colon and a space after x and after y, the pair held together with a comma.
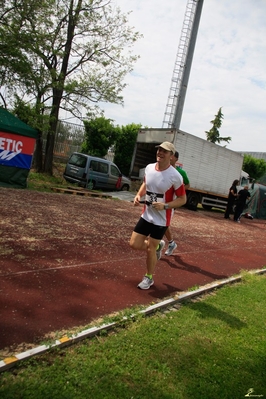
x: 158, y: 205
x: 136, y: 200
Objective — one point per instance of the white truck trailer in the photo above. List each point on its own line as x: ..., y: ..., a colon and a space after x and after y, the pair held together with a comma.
x: 211, y: 168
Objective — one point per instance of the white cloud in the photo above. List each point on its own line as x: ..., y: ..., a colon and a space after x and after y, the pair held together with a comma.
x: 228, y: 69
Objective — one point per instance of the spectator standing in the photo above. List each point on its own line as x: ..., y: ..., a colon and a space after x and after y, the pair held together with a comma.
x: 231, y: 199
x: 242, y: 198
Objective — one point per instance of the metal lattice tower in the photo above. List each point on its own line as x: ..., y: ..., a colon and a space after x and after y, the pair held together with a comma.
x: 179, y: 83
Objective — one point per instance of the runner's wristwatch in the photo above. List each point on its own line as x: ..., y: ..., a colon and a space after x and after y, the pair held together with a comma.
x: 166, y: 206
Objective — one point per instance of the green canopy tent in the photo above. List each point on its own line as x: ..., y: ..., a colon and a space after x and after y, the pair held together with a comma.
x: 17, y: 143
x: 257, y: 203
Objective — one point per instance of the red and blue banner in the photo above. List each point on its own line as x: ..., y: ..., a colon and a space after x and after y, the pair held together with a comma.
x: 16, y: 150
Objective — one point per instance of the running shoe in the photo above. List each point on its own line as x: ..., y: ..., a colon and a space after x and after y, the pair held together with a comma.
x: 159, y: 250
x: 146, y: 283
x: 171, y: 248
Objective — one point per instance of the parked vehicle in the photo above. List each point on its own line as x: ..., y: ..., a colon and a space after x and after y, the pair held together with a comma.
x: 93, y: 172
x: 211, y: 168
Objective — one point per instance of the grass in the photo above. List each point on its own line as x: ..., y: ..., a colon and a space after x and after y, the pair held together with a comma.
x: 44, y: 182
x: 210, y: 348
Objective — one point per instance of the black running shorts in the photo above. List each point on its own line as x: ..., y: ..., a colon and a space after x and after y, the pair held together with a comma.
x: 149, y: 229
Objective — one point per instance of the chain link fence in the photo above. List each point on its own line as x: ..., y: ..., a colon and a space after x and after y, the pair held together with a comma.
x: 69, y: 138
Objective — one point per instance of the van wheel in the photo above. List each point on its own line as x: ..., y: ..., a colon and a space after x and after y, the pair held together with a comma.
x: 125, y: 187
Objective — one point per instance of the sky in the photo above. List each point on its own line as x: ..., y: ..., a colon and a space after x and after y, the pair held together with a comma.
x: 228, y: 69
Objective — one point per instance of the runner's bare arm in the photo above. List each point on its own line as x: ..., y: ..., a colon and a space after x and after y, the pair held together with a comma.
x: 176, y: 203
x: 140, y: 193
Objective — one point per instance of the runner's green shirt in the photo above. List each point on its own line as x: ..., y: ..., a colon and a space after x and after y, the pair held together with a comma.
x: 184, y: 175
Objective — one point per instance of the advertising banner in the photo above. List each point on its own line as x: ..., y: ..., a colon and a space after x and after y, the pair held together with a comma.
x: 16, y: 150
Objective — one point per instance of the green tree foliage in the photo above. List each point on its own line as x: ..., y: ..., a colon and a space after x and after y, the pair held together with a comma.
x: 256, y: 168
x: 100, y: 135
x: 64, y: 55
x: 124, y: 146
x: 213, y: 134
x: 28, y: 114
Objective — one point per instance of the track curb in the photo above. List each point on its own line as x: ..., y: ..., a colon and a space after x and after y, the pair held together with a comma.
x: 11, y: 361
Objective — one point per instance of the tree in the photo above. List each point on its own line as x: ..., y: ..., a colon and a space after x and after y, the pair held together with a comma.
x: 100, y: 135
x: 124, y: 146
x: 256, y: 168
x: 66, y: 55
x: 213, y: 134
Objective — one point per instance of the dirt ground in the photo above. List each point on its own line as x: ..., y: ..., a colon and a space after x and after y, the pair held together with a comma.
x: 65, y: 260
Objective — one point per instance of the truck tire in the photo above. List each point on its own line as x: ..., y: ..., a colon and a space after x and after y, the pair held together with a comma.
x: 192, y: 200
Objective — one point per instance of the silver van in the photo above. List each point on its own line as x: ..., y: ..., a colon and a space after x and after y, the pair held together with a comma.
x: 92, y: 172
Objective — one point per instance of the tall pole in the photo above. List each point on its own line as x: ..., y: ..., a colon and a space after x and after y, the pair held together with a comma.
x: 180, y: 78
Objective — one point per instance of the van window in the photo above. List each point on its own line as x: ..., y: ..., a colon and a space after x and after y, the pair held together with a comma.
x: 78, y: 160
x: 98, y: 166
x: 115, y: 171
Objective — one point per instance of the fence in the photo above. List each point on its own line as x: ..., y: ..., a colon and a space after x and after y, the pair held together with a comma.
x: 69, y: 138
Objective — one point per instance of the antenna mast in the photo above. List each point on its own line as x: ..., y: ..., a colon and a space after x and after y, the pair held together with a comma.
x: 179, y: 83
